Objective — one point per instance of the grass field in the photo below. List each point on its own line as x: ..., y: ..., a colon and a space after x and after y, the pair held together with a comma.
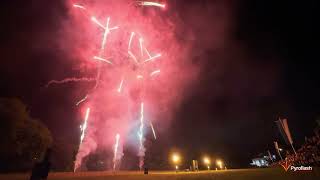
x: 237, y: 174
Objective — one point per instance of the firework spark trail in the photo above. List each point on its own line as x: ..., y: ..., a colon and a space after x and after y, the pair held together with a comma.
x: 82, y: 100
x: 105, y: 35
x: 120, y: 86
x: 141, y: 153
x: 116, y: 145
x: 147, y: 3
x: 133, y: 57
x: 83, y: 131
x: 147, y: 52
x: 141, y: 48
x: 141, y: 139
x: 130, y: 40
x: 103, y: 44
x: 155, y: 72
x: 116, y: 27
x: 152, y: 58
x: 153, y: 131
x: 84, y: 126
x: 94, y: 19
x: 67, y: 80
x: 78, y: 6
x: 102, y: 59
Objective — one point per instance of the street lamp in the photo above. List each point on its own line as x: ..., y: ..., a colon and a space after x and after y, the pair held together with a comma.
x: 176, y: 160
x: 207, y: 162
x: 219, y: 163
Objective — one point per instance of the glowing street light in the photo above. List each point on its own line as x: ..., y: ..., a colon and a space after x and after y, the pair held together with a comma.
x: 207, y: 162
x: 176, y: 160
x: 219, y: 163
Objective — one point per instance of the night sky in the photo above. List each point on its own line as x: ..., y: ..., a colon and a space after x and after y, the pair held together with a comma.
x: 257, y: 61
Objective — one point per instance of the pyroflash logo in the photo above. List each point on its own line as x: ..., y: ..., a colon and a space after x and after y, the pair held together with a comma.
x: 301, y: 168
x: 286, y: 165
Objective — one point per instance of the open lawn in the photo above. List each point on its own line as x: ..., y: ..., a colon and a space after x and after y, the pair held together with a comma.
x: 237, y: 174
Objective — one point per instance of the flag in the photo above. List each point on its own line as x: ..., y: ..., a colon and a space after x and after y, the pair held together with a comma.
x: 284, y: 130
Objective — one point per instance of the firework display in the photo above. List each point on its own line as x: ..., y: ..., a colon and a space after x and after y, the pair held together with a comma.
x: 127, y: 56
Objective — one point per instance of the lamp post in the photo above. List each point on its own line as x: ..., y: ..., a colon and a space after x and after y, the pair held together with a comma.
x: 207, y: 162
x: 176, y: 160
x: 219, y: 163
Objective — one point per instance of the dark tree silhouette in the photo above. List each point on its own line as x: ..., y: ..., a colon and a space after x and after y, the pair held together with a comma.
x: 23, y: 140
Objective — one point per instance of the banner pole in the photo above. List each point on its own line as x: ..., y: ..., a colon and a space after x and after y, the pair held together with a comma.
x: 280, y: 155
x: 293, y: 149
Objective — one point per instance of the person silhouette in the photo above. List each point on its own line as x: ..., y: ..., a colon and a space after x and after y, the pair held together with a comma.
x: 41, y: 169
x: 146, y: 170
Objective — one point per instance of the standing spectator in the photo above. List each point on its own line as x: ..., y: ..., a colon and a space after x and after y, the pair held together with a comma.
x: 41, y: 169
